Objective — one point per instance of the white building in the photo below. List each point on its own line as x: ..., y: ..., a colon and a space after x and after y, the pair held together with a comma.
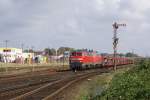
x: 10, y: 54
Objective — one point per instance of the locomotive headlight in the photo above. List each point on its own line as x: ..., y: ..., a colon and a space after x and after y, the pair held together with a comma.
x: 80, y: 61
x: 77, y: 59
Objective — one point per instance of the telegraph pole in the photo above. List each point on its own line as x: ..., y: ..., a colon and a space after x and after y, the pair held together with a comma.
x: 22, y: 45
x: 115, y: 41
x: 6, y: 58
x: 6, y: 43
x: 56, y: 57
x: 32, y: 47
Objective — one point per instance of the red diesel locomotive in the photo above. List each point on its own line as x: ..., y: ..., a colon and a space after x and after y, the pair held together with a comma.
x: 84, y: 59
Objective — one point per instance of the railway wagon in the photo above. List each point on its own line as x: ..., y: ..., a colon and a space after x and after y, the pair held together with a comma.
x: 83, y: 59
x: 109, y: 61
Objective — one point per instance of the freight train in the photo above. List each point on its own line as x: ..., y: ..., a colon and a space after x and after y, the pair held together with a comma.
x: 87, y: 59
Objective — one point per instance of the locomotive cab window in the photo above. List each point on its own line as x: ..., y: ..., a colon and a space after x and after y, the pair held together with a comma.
x: 76, y: 54
x: 79, y: 54
x: 73, y: 54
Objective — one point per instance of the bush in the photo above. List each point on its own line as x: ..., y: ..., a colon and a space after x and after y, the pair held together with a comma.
x: 131, y: 85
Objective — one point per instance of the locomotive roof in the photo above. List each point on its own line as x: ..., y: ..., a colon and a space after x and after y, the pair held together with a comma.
x: 84, y: 50
x: 88, y: 52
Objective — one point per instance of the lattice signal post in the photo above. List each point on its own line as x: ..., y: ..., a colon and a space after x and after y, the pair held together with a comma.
x: 115, y: 40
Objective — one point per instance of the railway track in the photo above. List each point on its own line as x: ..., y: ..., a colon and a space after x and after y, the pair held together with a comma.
x: 46, y: 87
x: 50, y: 90
x: 13, y: 91
x: 13, y: 82
x: 30, y: 74
x: 27, y: 74
x: 16, y: 86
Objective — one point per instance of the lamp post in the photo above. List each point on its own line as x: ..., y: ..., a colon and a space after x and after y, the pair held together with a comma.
x: 115, y: 41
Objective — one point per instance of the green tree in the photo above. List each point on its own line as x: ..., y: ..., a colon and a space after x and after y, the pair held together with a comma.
x: 129, y: 54
x: 26, y: 50
x: 121, y: 54
x: 61, y: 50
x: 49, y: 51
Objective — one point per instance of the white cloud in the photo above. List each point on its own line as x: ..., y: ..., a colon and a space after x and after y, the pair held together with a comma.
x: 76, y: 23
x: 140, y: 5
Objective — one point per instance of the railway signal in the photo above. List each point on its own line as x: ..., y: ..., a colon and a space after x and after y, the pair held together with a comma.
x: 115, y: 40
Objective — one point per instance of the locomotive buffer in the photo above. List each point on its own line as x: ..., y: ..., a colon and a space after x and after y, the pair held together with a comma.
x: 115, y: 41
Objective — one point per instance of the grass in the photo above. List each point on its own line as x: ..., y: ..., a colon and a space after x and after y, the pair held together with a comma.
x: 2, y: 69
x: 17, y: 67
x: 27, y: 65
x: 93, y: 87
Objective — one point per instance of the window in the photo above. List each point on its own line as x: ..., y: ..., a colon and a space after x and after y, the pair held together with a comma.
x: 6, y: 50
x: 76, y: 54
x: 73, y: 54
x: 79, y: 54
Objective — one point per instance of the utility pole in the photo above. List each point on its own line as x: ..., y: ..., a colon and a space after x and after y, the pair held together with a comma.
x: 56, y: 57
x: 6, y: 43
x: 22, y: 60
x: 115, y: 41
x: 22, y: 45
x: 32, y: 60
x: 6, y: 58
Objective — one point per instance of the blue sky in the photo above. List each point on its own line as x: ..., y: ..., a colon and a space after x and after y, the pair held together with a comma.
x: 76, y: 23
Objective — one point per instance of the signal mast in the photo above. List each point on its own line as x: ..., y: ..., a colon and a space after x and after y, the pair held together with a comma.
x: 115, y: 41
